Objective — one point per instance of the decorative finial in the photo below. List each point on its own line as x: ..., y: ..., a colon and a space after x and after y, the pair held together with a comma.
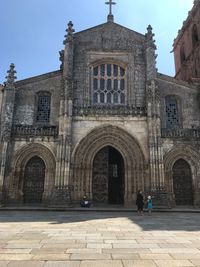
x: 61, y: 58
x: 149, y: 35
x: 11, y: 75
x: 69, y: 35
x: 110, y: 15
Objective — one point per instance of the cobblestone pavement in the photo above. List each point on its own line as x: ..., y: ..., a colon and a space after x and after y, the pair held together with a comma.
x: 98, y: 239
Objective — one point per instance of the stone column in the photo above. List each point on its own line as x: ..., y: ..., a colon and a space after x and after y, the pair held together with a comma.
x: 62, y: 187
x: 157, y: 183
x: 157, y: 187
x: 7, y: 109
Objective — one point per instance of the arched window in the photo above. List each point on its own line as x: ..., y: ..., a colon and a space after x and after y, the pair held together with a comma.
x: 108, y: 84
x: 195, y: 37
x: 182, y: 54
x: 172, y: 112
x: 43, y: 107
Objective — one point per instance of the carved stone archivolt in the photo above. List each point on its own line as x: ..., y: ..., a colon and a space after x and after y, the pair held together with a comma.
x: 191, y: 156
x: 84, y: 153
x: 21, y: 158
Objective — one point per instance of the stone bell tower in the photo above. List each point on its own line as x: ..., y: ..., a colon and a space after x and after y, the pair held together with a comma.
x: 187, y: 47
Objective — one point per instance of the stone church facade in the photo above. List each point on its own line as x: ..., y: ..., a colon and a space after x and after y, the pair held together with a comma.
x: 106, y: 124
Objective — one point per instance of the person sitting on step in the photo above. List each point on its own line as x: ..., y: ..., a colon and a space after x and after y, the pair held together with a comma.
x: 85, y: 202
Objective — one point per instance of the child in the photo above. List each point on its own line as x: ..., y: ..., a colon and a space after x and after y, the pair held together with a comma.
x: 149, y: 204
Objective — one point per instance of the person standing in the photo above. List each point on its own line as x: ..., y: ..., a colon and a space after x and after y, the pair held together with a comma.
x: 140, y: 202
x: 149, y: 204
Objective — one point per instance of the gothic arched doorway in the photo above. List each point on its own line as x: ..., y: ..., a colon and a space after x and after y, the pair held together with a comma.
x: 108, y: 176
x: 182, y: 183
x: 34, y: 177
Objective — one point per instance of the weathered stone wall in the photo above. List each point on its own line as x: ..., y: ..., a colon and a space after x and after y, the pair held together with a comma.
x: 19, y: 152
x: 25, y: 99
x: 182, y: 142
x: 187, y: 98
x: 189, y: 67
x: 112, y: 43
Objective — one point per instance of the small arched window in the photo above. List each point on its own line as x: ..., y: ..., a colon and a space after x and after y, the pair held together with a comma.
x: 182, y: 54
x: 195, y: 37
x: 43, y: 107
x: 108, y: 84
x: 172, y: 112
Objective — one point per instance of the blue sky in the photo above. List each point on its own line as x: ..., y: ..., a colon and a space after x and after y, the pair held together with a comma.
x: 32, y: 31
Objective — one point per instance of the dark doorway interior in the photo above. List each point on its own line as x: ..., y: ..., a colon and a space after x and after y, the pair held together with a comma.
x: 34, y: 175
x: 108, y: 177
x: 182, y: 181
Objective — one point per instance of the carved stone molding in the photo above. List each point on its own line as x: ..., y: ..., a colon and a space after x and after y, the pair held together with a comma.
x: 192, y: 157
x: 183, y: 134
x: 31, y: 130
x: 20, y: 159
x: 109, y: 110
x: 153, y: 93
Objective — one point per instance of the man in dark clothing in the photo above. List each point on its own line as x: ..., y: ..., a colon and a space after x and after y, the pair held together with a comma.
x: 140, y: 202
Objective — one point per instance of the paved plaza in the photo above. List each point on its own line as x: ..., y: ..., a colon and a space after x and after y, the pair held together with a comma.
x: 98, y: 239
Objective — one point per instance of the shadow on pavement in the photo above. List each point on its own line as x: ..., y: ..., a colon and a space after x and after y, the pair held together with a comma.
x: 157, y: 221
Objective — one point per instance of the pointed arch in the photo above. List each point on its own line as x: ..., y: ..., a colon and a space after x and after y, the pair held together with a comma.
x: 192, y: 157
x: 23, y: 156
x: 84, y: 153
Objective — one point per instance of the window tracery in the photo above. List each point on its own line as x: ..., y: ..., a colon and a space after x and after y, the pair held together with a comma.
x: 43, y: 107
x: 172, y: 113
x: 108, y: 84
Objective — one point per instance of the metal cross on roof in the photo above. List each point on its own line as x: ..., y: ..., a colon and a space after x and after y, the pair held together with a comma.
x: 110, y: 3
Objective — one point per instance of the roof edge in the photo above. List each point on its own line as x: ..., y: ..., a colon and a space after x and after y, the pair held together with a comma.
x: 109, y: 22
x: 173, y: 80
x: 41, y: 77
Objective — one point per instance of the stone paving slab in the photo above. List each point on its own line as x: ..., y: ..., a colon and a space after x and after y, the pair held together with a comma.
x: 153, y: 256
x: 113, y: 263
x: 188, y: 255
x: 92, y: 256
x: 172, y: 263
x: 126, y: 256
x: 51, y: 257
x: 62, y: 264
x: 23, y: 246
x: 139, y: 263
x: 66, y: 246
x: 73, y: 239
x: 196, y: 262
x: 26, y: 264
x: 15, y: 257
